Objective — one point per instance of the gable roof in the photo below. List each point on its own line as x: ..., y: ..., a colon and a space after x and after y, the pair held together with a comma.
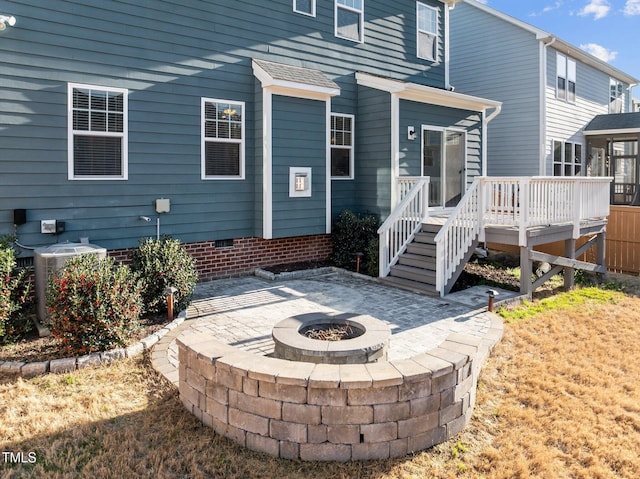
x: 558, y: 44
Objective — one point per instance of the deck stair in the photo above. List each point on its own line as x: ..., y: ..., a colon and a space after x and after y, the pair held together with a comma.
x: 416, y: 267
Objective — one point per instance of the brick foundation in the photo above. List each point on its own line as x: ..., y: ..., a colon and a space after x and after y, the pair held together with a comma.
x: 247, y: 254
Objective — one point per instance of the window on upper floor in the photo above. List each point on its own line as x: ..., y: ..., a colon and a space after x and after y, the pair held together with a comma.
x: 306, y: 7
x: 222, y: 139
x: 565, y: 78
x: 342, y: 146
x: 97, y: 132
x: 616, y: 96
x: 349, y: 19
x: 427, y: 32
x: 567, y: 158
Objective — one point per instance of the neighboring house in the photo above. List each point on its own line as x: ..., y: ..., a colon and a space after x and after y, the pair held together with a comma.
x: 636, y: 104
x: 550, y: 90
x: 241, y: 128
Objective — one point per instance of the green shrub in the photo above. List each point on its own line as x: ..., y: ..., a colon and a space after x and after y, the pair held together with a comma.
x: 353, y: 234
x: 94, y: 304
x: 15, y: 291
x: 160, y: 264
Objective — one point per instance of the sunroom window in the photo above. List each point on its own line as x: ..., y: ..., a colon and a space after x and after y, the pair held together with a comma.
x: 222, y: 139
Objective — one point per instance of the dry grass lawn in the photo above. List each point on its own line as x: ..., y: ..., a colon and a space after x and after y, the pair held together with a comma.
x: 559, y: 398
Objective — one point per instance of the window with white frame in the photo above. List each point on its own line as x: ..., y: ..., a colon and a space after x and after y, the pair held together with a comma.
x: 567, y: 158
x: 427, y: 32
x: 566, y: 78
x: 349, y: 19
x: 342, y: 146
x: 306, y: 7
x: 97, y: 125
x: 222, y: 139
x: 616, y: 96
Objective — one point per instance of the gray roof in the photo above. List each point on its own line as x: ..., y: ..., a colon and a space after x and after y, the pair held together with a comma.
x: 289, y: 73
x: 619, y: 121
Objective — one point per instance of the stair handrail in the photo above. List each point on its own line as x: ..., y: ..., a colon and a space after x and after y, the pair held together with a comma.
x: 400, y: 227
x: 458, y: 234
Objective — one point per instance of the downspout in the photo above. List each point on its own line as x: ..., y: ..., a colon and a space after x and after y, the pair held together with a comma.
x: 485, y: 123
x: 545, y: 43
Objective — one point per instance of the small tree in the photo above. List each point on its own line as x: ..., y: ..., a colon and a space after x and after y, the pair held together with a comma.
x: 160, y: 264
x: 94, y: 304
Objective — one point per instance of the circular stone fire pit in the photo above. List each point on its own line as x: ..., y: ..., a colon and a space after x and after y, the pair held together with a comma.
x: 368, y: 339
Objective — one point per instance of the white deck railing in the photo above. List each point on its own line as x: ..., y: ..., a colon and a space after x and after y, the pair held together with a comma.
x: 490, y: 201
x: 457, y: 235
x: 517, y: 202
x: 403, y: 223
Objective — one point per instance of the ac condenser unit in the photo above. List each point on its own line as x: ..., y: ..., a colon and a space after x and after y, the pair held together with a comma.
x: 49, y: 259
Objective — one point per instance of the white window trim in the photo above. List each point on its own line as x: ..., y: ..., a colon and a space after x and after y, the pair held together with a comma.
x: 563, y: 160
x: 302, y: 12
x: 354, y: 10
x: 124, y: 135
x: 351, y: 175
x: 621, y: 98
x: 571, y: 78
x: 418, y: 31
x: 203, y: 139
x: 566, y: 68
x: 444, y: 131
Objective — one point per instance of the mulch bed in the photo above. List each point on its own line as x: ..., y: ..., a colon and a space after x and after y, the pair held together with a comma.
x: 36, y: 349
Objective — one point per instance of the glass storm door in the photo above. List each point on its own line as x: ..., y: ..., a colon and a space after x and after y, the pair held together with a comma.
x: 443, y: 159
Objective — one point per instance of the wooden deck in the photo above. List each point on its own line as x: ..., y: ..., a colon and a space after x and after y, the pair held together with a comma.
x: 522, y: 212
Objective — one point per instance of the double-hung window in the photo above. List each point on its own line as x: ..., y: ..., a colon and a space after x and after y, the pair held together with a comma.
x: 567, y: 158
x: 222, y: 139
x: 349, y: 19
x: 616, y: 96
x: 342, y: 146
x: 306, y: 7
x: 97, y: 138
x: 566, y: 78
x: 427, y: 36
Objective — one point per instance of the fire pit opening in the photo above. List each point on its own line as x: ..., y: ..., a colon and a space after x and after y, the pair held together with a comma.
x: 331, y: 338
x: 332, y: 331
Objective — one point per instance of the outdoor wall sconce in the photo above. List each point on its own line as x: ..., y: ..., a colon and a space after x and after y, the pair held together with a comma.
x: 411, y: 133
x: 299, y: 182
x: 6, y: 20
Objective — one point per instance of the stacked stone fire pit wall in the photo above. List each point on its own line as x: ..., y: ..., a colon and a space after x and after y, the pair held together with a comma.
x: 320, y: 412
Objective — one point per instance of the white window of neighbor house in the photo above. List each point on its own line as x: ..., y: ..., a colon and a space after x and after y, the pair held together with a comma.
x: 561, y: 74
x: 349, y: 20
x: 222, y: 139
x: 427, y: 32
x: 571, y: 80
x: 567, y: 158
x: 342, y: 146
x: 98, y: 133
x: 616, y: 96
x: 306, y: 7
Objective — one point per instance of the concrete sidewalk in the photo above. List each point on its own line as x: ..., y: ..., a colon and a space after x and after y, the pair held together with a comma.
x: 242, y: 312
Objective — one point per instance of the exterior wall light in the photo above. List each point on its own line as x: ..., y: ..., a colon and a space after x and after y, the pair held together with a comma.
x: 6, y: 19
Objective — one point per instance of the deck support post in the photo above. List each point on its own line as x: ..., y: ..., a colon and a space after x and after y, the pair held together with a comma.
x: 569, y: 252
x: 600, y: 253
x: 526, y: 269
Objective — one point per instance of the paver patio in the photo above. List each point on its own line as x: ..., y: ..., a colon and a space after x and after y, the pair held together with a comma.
x: 242, y: 312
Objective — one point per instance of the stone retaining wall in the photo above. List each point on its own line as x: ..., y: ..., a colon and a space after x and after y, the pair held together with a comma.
x: 323, y: 412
